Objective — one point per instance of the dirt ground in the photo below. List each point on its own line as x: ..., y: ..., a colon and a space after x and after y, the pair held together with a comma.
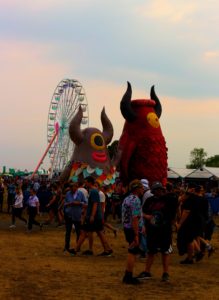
x: 33, y: 266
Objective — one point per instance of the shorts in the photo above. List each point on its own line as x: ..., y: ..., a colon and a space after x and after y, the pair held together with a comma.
x: 96, y: 226
x: 159, y: 241
x: 130, y: 237
x: 186, y: 234
x: 53, y: 207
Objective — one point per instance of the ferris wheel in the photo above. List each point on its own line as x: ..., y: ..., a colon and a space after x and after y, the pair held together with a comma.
x: 67, y: 97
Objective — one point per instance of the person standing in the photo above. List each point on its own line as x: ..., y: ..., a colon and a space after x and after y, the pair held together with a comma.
x: 33, y: 209
x: 53, y: 204
x: 1, y: 194
x: 159, y: 212
x: 93, y: 220
x: 132, y: 224
x: 73, y: 206
x: 116, y: 200
x: 191, y: 224
x: 17, y: 207
x: 11, y: 195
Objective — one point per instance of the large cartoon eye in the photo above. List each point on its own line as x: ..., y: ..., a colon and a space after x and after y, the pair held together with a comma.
x: 97, y: 141
x: 153, y: 120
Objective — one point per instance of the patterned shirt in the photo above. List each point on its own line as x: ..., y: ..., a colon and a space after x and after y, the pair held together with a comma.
x: 33, y: 201
x: 131, y: 207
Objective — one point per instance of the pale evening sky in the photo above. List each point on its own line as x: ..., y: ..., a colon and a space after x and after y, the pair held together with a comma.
x: 173, y: 45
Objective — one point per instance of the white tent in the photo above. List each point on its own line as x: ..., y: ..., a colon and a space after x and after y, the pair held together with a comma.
x: 174, y: 173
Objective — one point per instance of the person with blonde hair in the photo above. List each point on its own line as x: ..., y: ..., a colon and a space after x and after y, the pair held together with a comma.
x: 17, y: 207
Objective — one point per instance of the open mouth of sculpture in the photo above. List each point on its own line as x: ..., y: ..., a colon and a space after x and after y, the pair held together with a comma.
x: 101, y: 157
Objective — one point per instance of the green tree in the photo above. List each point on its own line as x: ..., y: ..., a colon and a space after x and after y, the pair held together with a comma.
x: 197, y: 158
x: 212, y: 161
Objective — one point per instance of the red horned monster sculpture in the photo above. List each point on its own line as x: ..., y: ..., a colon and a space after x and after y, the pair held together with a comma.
x: 142, y: 147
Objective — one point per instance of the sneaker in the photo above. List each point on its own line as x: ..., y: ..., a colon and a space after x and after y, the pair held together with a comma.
x: 87, y: 252
x: 186, y: 261
x: 132, y: 280
x: 72, y: 251
x: 199, y: 256
x: 12, y: 226
x: 144, y: 275
x: 165, y: 277
x: 106, y: 253
x: 211, y: 250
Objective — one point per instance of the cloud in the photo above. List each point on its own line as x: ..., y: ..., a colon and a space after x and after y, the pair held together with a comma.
x: 103, y: 45
x: 42, y: 5
x: 172, y: 11
x: 27, y: 82
x: 211, y: 55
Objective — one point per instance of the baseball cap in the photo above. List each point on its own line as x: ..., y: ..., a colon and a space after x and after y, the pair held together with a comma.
x: 157, y: 185
x: 145, y: 184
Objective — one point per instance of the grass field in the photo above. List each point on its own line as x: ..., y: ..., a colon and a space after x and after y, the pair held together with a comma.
x: 33, y: 266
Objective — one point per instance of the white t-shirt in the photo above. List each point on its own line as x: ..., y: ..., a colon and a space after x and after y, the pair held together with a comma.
x: 146, y: 195
x: 102, y: 197
x: 84, y: 191
x: 18, y: 201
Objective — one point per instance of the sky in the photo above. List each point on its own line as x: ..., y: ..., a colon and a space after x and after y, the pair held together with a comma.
x: 171, y: 44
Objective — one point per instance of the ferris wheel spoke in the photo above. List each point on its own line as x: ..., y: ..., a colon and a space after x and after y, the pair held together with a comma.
x: 67, y: 97
x: 73, y: 99
x: 70, y: 97
x: 75, y: 104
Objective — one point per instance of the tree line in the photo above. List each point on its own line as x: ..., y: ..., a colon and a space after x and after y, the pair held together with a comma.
x: 198, y: 159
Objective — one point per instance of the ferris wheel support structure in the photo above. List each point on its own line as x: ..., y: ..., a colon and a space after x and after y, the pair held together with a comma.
x: 44, y: 155
x: 67, y: 97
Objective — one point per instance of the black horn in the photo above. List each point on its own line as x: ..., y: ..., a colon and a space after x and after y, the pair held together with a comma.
x: 75, y: 132
x: 107, y: 127
x: 158, y: 107
x: 125, y: 105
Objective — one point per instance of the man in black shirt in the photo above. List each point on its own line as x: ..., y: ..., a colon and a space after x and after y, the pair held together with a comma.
x: 191, y: 224
x: 159, y: 212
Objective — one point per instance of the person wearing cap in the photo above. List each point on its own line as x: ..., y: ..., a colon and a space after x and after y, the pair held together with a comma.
x: 159, y: 212
x: 132, y: 224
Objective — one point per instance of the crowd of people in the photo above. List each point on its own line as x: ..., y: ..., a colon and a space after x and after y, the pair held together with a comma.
x: 149, y: 217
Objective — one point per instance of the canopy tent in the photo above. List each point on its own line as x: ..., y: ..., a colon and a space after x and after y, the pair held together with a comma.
x: 178, y: 173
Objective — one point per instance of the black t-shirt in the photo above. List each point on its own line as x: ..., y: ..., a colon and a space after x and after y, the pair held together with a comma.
x: 198, y: 207
x: 163, y: 208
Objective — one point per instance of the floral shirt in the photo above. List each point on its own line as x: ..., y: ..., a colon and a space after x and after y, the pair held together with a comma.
x: 131, y: 207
